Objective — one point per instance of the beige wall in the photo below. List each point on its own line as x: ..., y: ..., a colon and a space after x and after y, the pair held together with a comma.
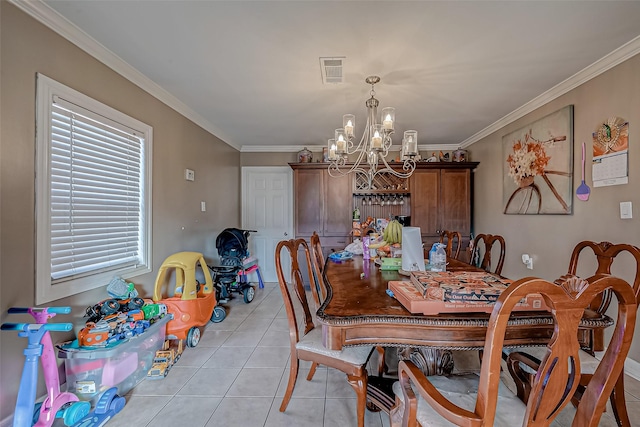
x: 551, y: 238
x: 27, y: 47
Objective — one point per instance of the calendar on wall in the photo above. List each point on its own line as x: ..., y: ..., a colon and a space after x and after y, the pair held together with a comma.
x: 610, y: 153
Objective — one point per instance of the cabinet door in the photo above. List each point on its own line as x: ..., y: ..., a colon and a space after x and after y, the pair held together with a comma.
x: 308, y: 201
x: 455, y: 200
x: 425, y: 191
x: 337, y: 207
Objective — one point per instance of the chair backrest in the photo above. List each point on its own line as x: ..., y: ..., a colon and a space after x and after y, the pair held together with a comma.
x: 454, y: 242
x: 486, y: 241
x: 300, y: 318
x: 316, y: 251
x: 559, y: 373
x: 318, y: 261
x: 605, y: 253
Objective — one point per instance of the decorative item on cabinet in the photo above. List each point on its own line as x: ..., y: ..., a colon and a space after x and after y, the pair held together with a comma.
x: 305, y: 156
x: 460, y: 155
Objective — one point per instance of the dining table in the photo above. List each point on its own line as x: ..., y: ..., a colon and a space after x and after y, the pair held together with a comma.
x: 359, y: 311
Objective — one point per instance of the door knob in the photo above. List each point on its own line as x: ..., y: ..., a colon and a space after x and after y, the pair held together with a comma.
x: 286, y: 234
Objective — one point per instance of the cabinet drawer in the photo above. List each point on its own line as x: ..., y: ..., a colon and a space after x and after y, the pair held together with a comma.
x: 335, y: 242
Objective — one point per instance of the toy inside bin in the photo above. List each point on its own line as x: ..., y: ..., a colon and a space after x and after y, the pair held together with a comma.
x: 92, y: 370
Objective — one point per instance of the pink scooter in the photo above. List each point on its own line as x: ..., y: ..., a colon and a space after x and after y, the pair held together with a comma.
x: 57, y: 404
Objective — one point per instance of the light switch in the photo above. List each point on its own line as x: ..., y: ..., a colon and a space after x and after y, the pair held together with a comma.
x: 626, y: 210
x: 189, y: 175
x: 203, y: 206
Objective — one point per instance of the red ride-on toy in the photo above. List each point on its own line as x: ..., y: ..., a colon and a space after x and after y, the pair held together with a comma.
x: 193, y: 304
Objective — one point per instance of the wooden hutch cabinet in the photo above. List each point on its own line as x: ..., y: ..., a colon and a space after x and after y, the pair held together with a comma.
x: 441, y: 199
x: 323, y: 204
x: 438, y: 196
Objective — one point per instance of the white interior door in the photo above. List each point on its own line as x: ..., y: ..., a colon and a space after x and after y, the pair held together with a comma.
x: 267, y: 206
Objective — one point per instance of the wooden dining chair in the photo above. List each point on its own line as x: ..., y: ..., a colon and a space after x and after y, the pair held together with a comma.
x: 483, y: 400
x: 454, y: 240
x: 523, y: 363
x: 316, y: 250
x: 485, y: 242
x: 318, y: 262
x: 305, y: 339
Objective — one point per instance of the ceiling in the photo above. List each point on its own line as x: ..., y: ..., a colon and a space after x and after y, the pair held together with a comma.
x: 249, y: 71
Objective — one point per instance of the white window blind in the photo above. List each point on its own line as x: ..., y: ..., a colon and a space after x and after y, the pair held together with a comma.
x: 96, y: 189
x: 93, y: 193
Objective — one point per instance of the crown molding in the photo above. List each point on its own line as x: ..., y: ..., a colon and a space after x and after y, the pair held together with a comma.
x: 59, y: 24
x: 621, y: 54
x: 318, y: 148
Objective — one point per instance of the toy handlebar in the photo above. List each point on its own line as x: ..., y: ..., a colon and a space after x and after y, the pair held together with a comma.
x: 57, y: 310
x: 63, y: 327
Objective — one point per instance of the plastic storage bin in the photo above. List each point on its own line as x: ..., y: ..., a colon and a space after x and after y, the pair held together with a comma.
x: 91, y: 371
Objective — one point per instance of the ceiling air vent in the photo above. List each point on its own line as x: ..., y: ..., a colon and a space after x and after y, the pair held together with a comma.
x: 331, y: 69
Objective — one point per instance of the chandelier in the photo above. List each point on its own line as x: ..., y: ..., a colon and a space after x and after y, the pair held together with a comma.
x: 372, y: 150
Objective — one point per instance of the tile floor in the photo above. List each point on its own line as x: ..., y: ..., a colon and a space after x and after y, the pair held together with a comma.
x: 237, y: 375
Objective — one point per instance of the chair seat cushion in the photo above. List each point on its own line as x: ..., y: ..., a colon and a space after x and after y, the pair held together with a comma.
x: 588, y: 363
x: 312, y: 342
x: 462, y: 390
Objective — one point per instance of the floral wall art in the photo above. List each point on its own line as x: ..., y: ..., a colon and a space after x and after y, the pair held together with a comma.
x: 538, y: 166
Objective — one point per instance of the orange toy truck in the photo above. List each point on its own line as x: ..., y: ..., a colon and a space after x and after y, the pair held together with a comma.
x: 193, y: 304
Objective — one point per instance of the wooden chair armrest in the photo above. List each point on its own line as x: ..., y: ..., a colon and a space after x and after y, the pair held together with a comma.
x: 526, y: 359
x: 409, y: 373
x: 523, y: 378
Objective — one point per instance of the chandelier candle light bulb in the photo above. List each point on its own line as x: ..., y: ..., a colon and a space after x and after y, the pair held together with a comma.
x: 411, y: 142
x: 341, y: 143
x: 332, y: 149
x: 376, y: 140
x: 388, y: 117
x: 349, y: 120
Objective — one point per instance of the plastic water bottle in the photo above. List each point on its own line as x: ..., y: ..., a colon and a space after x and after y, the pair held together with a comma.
x: 440, y: 259
x: 432, y: 255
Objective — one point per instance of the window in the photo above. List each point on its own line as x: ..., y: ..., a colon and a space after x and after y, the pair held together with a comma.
x: 93, y: 193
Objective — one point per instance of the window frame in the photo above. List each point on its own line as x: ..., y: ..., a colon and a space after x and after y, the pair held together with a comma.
x: 47, y: 289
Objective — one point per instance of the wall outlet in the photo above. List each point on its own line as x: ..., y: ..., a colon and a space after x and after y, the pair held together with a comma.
x: 189, y: 175
x: 528, y: 261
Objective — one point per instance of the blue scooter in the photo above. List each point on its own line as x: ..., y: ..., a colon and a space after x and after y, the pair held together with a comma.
x: 58, y: 404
